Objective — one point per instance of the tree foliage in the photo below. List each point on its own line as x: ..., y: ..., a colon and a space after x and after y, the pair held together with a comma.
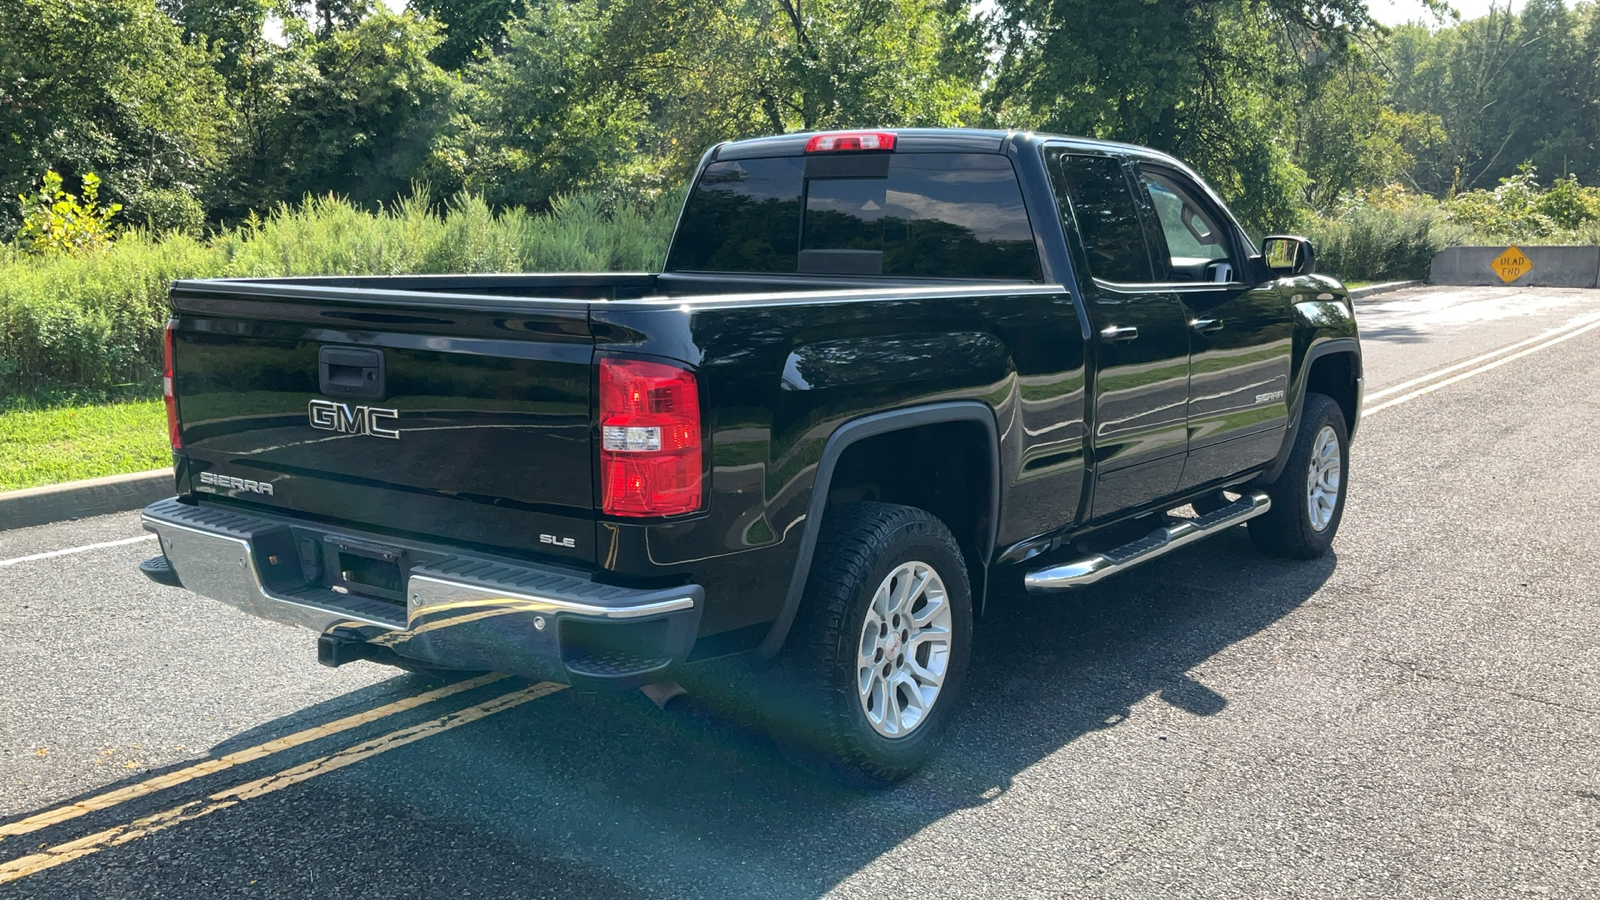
x: 1212, y: 81
x: 198, y: 112
x: 629, y: 93
x: 1508, y: 89
x: 107, y: 86
x: 470, y: 27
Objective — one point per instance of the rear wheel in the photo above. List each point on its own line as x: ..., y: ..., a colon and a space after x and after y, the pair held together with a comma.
x: 1308, y: 497
x: 879, y: 652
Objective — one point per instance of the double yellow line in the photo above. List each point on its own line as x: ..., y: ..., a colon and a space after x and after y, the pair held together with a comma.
x: 121, y: 834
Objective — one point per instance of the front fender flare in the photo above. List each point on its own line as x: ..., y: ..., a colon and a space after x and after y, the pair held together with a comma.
x: 1324, y: 347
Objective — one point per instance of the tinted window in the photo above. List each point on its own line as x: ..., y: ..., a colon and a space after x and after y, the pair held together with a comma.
x: 744, y: 216
x: 936, y: 215
x: 932, y: 215
x: 1107, y: 217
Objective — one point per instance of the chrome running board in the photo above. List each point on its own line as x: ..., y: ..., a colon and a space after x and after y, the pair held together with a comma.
x: 1090, y: 569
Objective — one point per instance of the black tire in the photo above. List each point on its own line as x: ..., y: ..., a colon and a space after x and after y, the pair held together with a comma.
x: 824, y: 726
x: 1287, y: 530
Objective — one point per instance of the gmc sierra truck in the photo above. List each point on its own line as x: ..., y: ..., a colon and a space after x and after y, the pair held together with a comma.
x: 882, y: 377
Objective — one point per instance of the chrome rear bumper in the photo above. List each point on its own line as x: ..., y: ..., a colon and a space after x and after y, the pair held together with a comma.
x: 459, y: 611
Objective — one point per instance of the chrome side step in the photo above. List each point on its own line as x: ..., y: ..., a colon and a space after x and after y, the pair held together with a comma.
x: 1090, y: 569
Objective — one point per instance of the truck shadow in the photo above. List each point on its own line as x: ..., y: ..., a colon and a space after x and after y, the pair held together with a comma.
x: 700, y: 803
x: 606, y: 796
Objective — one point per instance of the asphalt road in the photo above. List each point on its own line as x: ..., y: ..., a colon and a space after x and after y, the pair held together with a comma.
x: 1416, y: 716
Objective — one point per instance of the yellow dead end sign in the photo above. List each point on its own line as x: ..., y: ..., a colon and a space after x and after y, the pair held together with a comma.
x: 1512, y: 264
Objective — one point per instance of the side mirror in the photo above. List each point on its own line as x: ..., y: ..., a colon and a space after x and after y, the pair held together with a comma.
x: 1287, y: 255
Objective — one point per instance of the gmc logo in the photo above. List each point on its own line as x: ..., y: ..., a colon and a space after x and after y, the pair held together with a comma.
x: 341, y: 417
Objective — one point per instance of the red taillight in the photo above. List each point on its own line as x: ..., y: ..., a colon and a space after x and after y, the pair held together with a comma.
x: 167, y: 391
x: 649, y: 439
x: 850, y: 140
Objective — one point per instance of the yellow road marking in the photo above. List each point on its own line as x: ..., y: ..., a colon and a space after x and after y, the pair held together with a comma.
x: 122, y: 834
x: 240, y: 757
x: 1479, y: 370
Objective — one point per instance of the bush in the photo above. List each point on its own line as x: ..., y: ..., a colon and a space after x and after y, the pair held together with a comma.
x: 54, y: 221
x: 1394, y: 234
x: 166, y: 210
x: 1383, y: 242
x: 1518, y: 211
x: 91, y: 325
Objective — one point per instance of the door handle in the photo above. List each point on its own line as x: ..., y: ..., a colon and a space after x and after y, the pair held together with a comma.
x: 1117, y: 334
x: 355, y: 372
x: 1205, y: 326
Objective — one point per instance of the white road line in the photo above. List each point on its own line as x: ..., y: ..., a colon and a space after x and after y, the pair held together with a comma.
x: 71, y: 550
x: 1367, y: 411
x: 1576, y: 323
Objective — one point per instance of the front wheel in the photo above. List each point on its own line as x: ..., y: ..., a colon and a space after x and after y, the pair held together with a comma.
x: 1308, y: 497
x: 879, y: 653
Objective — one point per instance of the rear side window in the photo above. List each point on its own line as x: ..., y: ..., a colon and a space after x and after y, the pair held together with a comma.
x: 1107, y: 216
x: 744, y: 216
x: 928, y: 215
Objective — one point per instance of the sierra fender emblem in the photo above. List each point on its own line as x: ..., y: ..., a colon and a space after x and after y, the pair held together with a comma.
x: 329, y: 415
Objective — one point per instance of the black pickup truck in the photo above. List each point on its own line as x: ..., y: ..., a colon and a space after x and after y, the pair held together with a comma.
x: 883, y: 377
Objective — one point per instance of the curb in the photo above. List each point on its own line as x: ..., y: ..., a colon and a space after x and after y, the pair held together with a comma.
x: 81, y: 499
x: 1375, y: 289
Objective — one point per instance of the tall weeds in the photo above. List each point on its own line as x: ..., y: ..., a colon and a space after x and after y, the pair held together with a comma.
x: 1373, y: 243
x: 90, y: 325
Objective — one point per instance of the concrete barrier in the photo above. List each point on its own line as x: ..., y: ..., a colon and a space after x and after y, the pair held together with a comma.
x: 1550, y: 267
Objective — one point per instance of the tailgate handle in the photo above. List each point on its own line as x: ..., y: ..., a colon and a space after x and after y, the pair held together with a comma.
x: 350, y: 372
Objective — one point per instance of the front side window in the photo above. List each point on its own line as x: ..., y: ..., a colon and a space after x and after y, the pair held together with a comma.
x: 918, y: 215
x: 1196, y: 242
x: 1097, y: 192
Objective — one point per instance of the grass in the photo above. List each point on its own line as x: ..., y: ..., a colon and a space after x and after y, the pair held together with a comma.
x: 66, y: 443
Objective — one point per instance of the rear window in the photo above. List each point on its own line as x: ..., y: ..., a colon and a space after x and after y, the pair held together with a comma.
x: 927, y: 215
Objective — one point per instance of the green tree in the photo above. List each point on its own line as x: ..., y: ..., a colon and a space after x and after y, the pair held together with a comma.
x: 635, y: 90
x: 1508, y: 89
x: 540, y: 119
x: 1349, y: 137
x: 107, y: 86
x: 355, y: 113
x: 1542, y: 110
x: 1213, y: 81
x: 230, y: 28
x: 470, y: 26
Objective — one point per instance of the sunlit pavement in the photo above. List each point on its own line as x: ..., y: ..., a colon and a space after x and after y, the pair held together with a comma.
x: 1417, y: 717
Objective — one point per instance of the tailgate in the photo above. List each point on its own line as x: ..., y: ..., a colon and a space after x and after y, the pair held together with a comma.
x: 458, y: 419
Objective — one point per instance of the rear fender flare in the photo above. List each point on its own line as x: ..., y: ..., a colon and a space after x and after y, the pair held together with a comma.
x: 860, y: 429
